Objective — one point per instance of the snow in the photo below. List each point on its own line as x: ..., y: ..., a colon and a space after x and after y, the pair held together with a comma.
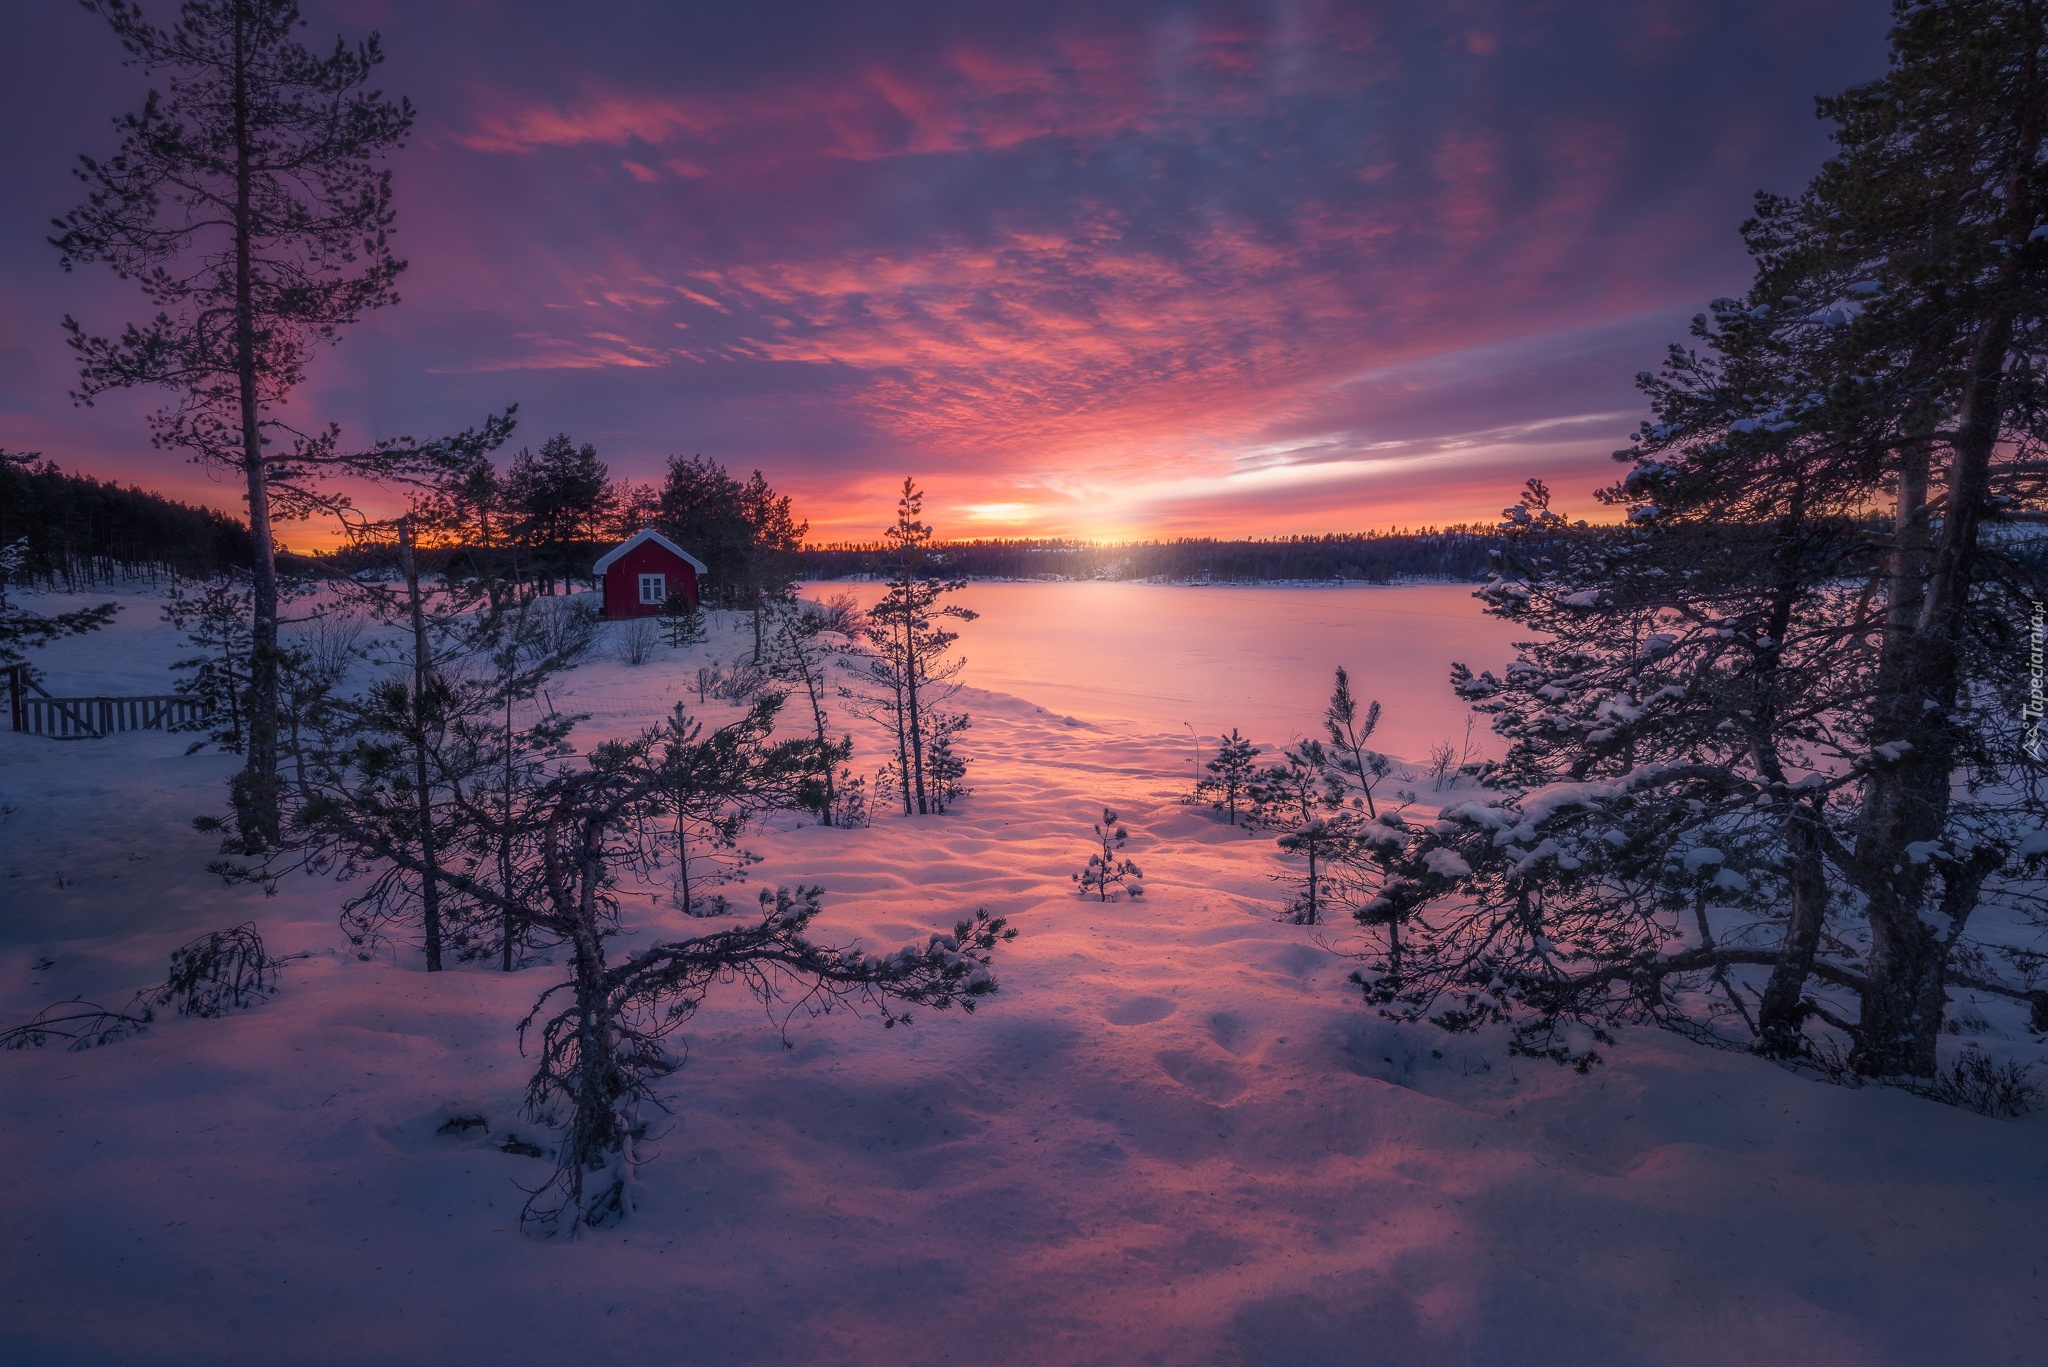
x: 1174, y: 1136
x: 1446, y: 863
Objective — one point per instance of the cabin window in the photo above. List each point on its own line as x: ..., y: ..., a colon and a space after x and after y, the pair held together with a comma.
x: 653, y: 588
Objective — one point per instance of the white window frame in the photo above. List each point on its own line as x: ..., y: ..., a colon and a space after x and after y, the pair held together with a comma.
x: 653, y: 589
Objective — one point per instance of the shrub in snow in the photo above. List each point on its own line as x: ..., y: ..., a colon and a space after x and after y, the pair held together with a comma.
x: 635, y: 641
x: 210, y: 976
x: 742, y: 683
x: 1976, y: 1083
x: 1108, y: 871
x: 218, y: 973
x: 564, y: 628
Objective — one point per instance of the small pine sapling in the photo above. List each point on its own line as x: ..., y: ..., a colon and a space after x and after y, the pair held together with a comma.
x: 849, y: 799
x: 1352, y: 762
x: 682, y: 621
x: 216, y: 625
x: 1108, y: 871
x: 1322, y: 844
x: 1234, y: 772
x: 1307, y: 784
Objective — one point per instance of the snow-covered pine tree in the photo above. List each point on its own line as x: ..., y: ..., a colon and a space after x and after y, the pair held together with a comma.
x: 1928, y: 233
x: 580, y: 829
x: 1767, y: 761
x: 1108, y: 870
x: 1234, y: 773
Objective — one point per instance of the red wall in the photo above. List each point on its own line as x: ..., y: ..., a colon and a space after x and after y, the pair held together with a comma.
x: 622, y: 580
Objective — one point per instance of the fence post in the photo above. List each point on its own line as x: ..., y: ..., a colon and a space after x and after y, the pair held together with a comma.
x: 16, y: 712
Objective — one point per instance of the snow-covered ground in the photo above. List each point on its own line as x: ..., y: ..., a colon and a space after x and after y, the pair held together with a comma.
x: 1174, y: 1137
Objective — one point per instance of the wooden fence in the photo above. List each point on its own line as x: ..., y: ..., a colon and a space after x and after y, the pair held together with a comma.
x: 39, y: 714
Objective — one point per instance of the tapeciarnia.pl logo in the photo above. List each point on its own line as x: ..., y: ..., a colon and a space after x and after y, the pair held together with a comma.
x: 2031, y: 738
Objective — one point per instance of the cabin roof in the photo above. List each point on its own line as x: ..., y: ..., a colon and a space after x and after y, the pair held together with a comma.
x: 641, y: 537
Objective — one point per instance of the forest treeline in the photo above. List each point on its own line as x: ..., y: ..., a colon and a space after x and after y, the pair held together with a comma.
x: 1455, y: 553
x: 81, y: 532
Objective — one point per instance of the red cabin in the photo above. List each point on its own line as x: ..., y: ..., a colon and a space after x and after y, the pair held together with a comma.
x: 646, y: 571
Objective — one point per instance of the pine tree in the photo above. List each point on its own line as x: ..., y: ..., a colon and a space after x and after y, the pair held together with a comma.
x: 216, y: 624
x: 22, y: 631
x: 770, y: 570
x: 801, y: 649
x: 1235, y: 773
x: 1323, y: 844
x: 909, y: 669
x: 561, y: 500
x: 682, y: 621
x: 1761, y: 774
x: 1348, y: 731
x: 702, y: 508
x: 1304, y: 786
x: 1108, y: 870
x: 246, y: 200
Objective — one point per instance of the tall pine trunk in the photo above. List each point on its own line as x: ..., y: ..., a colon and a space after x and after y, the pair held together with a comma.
x: 1906, y: 800
x: 430, y: 882
x: 259, y: 792
x: 1782, y: 1010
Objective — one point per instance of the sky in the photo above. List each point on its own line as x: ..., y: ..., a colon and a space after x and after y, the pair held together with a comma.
x: 1107, y: 270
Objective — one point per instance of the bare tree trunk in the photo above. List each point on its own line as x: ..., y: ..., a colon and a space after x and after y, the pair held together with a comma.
x: 430, y: 882
x: 1781, y: 1012
x: 511, y: 925
x: 259, y: 788
x: 913, y: 663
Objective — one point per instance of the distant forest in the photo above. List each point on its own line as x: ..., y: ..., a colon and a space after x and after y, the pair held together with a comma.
x: 82, y: 532
x: 1454, y: 553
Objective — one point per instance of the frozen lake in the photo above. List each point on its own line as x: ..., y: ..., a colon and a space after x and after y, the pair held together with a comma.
x: 1151, y: 657
x: 1214, y: 657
